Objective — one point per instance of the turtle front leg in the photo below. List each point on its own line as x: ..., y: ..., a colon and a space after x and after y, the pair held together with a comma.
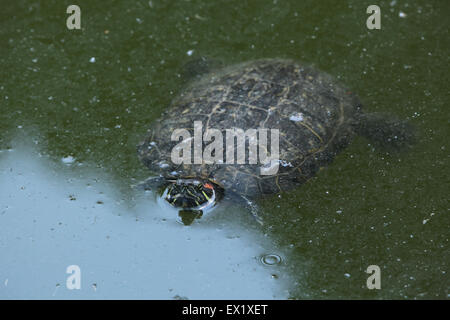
x: 152, y: 184
x: 253, y: 208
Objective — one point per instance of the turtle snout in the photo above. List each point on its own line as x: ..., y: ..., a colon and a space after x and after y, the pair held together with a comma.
x: 185, y: 202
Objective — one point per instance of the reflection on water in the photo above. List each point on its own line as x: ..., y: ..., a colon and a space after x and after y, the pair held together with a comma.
x: 53, y: 216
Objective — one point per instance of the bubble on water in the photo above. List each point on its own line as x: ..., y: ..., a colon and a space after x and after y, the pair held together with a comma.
x: 285, y: 163
x: 68, y: 160
x: 296, y: 117
x: 270, y: 259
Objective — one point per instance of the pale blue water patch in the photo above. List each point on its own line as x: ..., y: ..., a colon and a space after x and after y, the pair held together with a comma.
x: 56, y: 215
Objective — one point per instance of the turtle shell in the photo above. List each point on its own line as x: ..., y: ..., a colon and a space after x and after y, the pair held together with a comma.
x: 313, y: 113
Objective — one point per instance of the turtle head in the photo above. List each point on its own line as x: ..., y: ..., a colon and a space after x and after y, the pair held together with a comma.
x: 191, y: 194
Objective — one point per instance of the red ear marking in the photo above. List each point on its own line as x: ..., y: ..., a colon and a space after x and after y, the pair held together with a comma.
x: 208, y: 186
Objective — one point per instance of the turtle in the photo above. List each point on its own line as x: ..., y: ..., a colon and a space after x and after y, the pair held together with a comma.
x: 314, y: 116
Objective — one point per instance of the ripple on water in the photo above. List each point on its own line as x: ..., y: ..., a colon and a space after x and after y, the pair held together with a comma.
x: 270, y: 259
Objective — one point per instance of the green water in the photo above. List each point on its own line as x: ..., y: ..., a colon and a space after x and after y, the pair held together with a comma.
x: 369, y: 207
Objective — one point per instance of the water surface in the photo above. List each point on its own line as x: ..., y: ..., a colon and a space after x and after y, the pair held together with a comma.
x: 88, y: 97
